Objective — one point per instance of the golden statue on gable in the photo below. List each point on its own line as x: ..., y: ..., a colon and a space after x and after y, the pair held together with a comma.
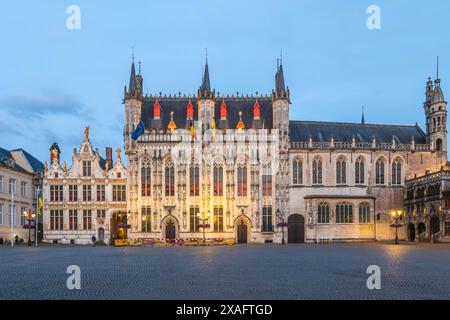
x: 86, y: 133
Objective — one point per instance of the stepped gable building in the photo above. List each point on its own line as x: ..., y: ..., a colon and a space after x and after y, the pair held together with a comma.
x: 20, y: 181
x: 323, y: 180
x: 88, y: 198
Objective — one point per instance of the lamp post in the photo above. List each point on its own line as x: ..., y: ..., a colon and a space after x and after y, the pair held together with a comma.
x: 30, y: 216
x: 204, y: 217
x: 281, y: 223
x: 396, y: 214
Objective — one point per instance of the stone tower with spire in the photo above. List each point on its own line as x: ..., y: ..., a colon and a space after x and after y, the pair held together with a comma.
x: 133, y: 100
x: 280, y: 102
x: 436, y: 116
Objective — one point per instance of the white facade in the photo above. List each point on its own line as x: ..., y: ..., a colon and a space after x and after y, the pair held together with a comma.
x: 85, y: 199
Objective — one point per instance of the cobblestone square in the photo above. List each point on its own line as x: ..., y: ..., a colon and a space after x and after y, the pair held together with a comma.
x: 330, y: 271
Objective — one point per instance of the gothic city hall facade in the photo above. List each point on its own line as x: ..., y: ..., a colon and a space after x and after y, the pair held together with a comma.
x: 236, y: 168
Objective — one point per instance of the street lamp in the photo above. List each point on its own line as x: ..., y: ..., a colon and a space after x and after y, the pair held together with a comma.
x: 396, y: 214
x: 204, y: 217
x: 281, y: 223
x: 29, y: 216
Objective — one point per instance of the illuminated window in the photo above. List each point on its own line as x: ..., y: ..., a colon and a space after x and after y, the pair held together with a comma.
x: 218, y: 180
x: 194, y: 181
x: 169, y: 178
x: 242, y: 181
x: 218, y: 219
x: 146, y: 178
x: 146, y: 215
x: 194, y: 219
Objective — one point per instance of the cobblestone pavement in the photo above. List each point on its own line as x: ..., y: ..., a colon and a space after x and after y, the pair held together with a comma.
x: 308, y: 271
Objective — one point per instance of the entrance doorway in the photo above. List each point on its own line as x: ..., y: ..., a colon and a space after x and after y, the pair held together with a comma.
x: 170, y: 230
x: 434, y: 225
x: 296, y: 229
x: 101, y: 235
x: 411, y: 232
x: 242, y: 232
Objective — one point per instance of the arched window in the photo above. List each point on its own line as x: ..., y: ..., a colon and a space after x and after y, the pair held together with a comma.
x: 439, y: 145
x: 359, y: 171
x: 341, y: 174
x: 317, y: 171
x: 194, y: 181
x: 297, y: 171
x: 344, y: 213
x: 364, y: 213
x: 323, y: 213
x: 396, y: 172
x: 242, y: 181
x: 146, y: 178
x: 218, y: 180
x: 169, y: 178
x: 379, y: 171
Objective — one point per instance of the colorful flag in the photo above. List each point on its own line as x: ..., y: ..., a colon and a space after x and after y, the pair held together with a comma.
x: 39, y: 202
x: 192, y: 129
x: 139, y: 131
x: 213, y: 126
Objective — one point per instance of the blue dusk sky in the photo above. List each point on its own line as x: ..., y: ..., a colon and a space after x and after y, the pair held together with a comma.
x: 55, y: 81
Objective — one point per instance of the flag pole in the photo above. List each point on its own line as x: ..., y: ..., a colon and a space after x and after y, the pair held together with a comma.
x: 11, y: 217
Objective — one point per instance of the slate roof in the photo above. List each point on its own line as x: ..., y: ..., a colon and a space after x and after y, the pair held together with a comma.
x: 34, y: 163
x: 6, y: 155
x: 300, y: 131
x: 178, y: 105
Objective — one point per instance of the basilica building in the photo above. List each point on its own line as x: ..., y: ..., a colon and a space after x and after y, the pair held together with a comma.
x: 236, y: 167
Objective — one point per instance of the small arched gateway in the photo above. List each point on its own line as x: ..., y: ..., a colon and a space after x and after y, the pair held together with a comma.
x: 242, y: 229
x: 296, y: 228
x: 170, y: 227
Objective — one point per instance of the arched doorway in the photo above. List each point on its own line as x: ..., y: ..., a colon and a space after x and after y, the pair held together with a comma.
x: 169, y: 227
x: 411, y: 232
x: 296, y: 229
x: 101, y: 235
x: 170, y: 230
x: 242, y: 232
x: 434, y: 225
x: 421, y: 228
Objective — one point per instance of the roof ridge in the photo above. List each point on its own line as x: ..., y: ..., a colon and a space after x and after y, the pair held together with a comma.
x: 356, y: 123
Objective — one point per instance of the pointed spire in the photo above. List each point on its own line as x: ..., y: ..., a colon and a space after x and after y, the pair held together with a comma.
x: 437, y: 67
x: 205, y: 88
x: 132, y: 85
x: 363, y: 121
x: 438, y: 95
x: 280, y: 88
